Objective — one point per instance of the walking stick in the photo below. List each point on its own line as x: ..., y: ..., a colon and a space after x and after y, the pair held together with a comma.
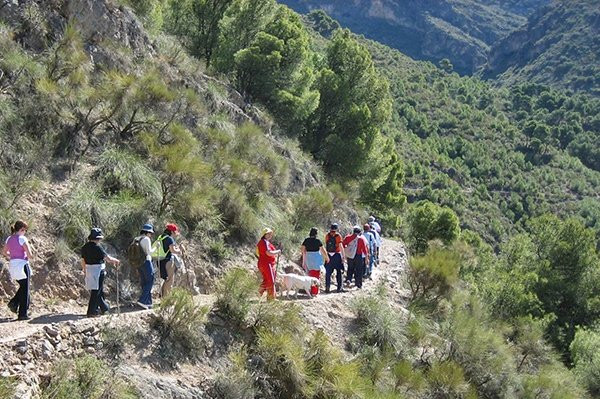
x: 118, y: 306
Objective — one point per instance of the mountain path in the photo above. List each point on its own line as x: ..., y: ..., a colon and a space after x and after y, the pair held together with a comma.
x: 332, y: 312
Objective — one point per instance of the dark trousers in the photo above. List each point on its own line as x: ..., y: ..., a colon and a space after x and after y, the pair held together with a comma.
x: 21, y: 299
x: 359, y: 270
x: 97, y: 297
x: 147, y: 280
x: 335, y: 263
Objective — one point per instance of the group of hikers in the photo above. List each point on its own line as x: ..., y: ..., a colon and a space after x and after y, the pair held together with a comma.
x: 359, y: 250
x: 94, y: 258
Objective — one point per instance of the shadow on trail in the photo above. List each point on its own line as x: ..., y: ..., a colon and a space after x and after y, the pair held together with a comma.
x: 56, y: 318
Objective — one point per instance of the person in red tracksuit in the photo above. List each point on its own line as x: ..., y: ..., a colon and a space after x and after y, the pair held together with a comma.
x: 267, y: 262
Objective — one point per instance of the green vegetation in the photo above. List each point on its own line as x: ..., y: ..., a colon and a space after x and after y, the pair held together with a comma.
x: 86, y: 377
x: 557, y: 46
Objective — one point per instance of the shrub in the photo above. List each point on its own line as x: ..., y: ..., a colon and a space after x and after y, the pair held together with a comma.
x: 551, y: 382
x: 86, y: 377
x: 279, y: 317
x: 7, y: 387
x: 116, y: 339
x: 428, y: 222
x: 447, y: 380
x: 236, y: 382
x: 314, y: 206
x: 585, y: 351
x: 180, y: 322
x: 432, y: 276
x: 284, y: 364
x: 234, y: 291
x: 406, y: 377
x: 378, y: 325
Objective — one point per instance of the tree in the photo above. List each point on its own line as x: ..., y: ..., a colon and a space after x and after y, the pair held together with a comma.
x: 429, y: 221
x: 355, y: 104
x: 197, y: 23
x: 276, y: 69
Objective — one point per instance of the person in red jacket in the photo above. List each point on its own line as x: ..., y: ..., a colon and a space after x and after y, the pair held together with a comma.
x: 356, y: 249
x: 267, y: 262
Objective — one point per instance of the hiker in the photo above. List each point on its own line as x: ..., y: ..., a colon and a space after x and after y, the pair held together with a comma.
x: 313, y: 255
x: 335, y: 251
x: 18, y: 251
x: 372, y: 244
x: 377, y: 245
x: 146, y: 267
x: 267, y: 253
x: 371, y: 220
x: 166, y: 246
x: 357, y: 253
x: 93, y: 258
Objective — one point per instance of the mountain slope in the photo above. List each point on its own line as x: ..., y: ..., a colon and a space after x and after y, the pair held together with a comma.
x: 460, y: 30
x: 560, y: 46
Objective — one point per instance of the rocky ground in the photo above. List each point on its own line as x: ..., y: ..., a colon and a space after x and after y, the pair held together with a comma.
x: 60, y: 330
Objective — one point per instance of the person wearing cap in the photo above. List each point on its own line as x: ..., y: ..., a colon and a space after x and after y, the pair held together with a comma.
x: 166, y: 265
x: 313, y: 257
x: 375, y: 254
x: 18, y: 250
x: 357, y: 255
x: 372, y: 245
x: 147, y: 269
x: 335, y: 250
x: 371, y: 220
x: 267, y: 258
x: 93, y: 258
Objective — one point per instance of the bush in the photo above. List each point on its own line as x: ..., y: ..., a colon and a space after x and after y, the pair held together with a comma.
x: 313, y: 207
x: 236, y: 382
x: 551, y: 382
x: 432, y: 276
x: 7, y: 387
x: 284, y: 365
x: 585, y: 351
x: 86, y: 377
x: 378, y: 325
x: 447, y: 380
x: 180, y: 323
x: 116, y: 339
x: 234, y: 291
x: 279, y: 317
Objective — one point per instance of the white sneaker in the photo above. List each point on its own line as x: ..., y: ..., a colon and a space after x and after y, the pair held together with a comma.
x: 143, y: 305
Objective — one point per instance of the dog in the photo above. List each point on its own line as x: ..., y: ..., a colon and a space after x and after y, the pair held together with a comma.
x: 296, y: 282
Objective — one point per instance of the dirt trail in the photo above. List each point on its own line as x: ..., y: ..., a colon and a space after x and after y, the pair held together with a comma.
x: 332, y: 312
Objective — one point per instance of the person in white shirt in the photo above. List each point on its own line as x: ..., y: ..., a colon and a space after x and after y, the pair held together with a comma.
x: 147, y: 269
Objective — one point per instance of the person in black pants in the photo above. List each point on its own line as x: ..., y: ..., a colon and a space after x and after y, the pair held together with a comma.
x: 93, y: 258
x: 18, y: 250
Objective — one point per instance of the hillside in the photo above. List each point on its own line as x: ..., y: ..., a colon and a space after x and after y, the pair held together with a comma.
x: 459, y: 30
x: 116, y: 113
x: 559, y: 46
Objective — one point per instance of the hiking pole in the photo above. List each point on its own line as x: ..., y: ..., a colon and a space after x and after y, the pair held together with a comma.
x: 118, y: 306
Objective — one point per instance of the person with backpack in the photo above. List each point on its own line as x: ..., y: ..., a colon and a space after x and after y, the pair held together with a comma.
x: 335, y: 251
x: 313, y: 257
x: 18, y: 251
x: 371, y: 220
x: 93, y: 258
x: 372, y: 244
x: 377, y: 244
x: 165, y: 248
x: 267, y: 262
x: 357, y: 254
x: 140, y: 256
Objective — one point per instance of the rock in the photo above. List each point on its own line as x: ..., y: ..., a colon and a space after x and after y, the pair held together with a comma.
x: 90, y: 350
x: 99, y: 346
x: 52, y: 331
x: 21, y: 350
x: 89, y: 341
x: 21, y: 342
x: 47, y: 346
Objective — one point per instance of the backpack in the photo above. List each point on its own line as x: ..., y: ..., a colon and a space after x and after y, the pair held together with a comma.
x: 331, y: 243
x: 135, y: 253
x: 351, y: 248
x: 158, y: 250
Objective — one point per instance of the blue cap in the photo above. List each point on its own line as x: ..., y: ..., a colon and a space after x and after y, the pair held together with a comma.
x: 148, y: 228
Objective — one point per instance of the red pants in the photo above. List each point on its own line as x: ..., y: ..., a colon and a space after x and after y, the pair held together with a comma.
x: 268, y: 284
x: 314, y: 290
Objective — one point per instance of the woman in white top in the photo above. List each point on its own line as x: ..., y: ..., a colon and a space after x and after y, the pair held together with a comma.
x: 17, y: 249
